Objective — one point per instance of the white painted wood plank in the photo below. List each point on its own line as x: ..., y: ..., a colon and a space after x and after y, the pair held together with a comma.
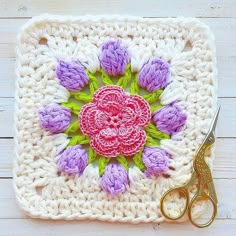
x: 224, y: 30
x: 25, y: 227
x: 226, y: 123
x: 224, y: 163
x: 224, y: 187
x: 151, y: 8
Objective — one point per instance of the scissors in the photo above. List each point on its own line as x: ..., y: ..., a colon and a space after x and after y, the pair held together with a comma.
x: 205, y: 185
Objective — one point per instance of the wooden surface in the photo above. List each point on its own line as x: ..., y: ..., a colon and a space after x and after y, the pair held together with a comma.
x: 219, y: 15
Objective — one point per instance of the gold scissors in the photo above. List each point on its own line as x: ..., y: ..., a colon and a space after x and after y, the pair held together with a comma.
x: 205, y: 185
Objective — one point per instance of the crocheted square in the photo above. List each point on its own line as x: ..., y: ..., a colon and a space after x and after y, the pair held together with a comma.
x: 109, y: 114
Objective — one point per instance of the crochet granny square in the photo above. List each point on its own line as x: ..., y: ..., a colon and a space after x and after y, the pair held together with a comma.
x: 109, y: 114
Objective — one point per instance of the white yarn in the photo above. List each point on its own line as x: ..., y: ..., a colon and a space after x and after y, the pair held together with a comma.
x: 39, y: 189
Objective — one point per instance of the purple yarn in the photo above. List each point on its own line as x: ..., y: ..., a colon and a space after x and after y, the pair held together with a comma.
x: 170, y: 119
x: 54, y: 118
x: 155, y: 160
x: 114, y: 179
x: 114, y: 58
x: 154, y: 75
x: 72, y: 75
x: 73, y: 160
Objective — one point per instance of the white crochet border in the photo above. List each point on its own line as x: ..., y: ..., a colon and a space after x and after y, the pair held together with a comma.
x: 44, y: 194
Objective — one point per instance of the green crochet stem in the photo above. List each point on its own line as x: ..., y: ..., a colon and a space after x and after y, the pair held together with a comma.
x: 91, y: 155
x: 93, y: 82
x: 123, y: 161
x: 81, y: 96
x: 73, y: 127
x: 126, y: 78
x: 153, y: 97
x: 102, y: 163
x: 105, y: 78
x: 153, y: 132
x: 75, y: 108
x: 134, y: 87
x: 138, y: 161
x: 78, y: 139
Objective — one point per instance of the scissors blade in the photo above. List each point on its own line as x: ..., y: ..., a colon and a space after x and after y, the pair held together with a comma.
x: 214, y: 121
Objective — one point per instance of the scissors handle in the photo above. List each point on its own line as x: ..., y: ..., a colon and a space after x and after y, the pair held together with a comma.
x: 167, y: 212
x: 197, y: 198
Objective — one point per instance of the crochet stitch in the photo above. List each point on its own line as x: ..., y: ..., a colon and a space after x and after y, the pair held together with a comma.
x: 54, y: 118
x: 83, y: 58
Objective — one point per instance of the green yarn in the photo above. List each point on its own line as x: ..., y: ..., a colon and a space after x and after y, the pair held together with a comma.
x: 102, y: 163
x: 151, y: 142
x: 138, y: 161
x: 91, y: 155
x: 105, y: 78
x: 93, y: 82
x: 122, y: 160
x: 81, y: 96
x: 153, y: 97
x: 155, y: 108
x: 152, y: 131
x: 73, y: 127
x: 75, y: 108
x: 134, y: 87
x: 125, y: 79
x: 78, y: 139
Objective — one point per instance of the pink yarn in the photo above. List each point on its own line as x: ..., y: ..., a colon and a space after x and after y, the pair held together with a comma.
x: 115, y: 122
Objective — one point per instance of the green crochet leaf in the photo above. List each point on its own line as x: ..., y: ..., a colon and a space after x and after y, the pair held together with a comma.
x: 78, y: 139
x: 138, y: 161
x: 105, y: 78
x: 75, y: 108
x: 151, y: 142
x: 125, y: 79
x: 122, y: 160
x: 93, y: 82
x: 153, y: 97
x: 74, y: 126
x: 134, y: 87
x: 91, y: 155
x: 81, y: 96
x: 102, y: 163
x: 155, y: 108
x: 152, y: 131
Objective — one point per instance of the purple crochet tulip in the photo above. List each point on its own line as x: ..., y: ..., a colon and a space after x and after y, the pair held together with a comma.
x: 170, y: 119
x: 114, y: 58
x: 115, y: 179
x: 154, y: 75
x: 72, y: 75
x: 54, y: 118
x: 156, y: 161
x: 73, y: 160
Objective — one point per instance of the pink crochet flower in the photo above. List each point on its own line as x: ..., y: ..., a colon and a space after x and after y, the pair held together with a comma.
x: 114, y: 120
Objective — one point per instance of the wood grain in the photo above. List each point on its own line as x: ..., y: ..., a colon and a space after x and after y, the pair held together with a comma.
x: 151, y: 8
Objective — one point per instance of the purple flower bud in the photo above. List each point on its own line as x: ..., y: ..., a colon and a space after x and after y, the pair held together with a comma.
x: 114, y: 179
x: 73, y: 160
x: 154, y: 75
x: 156, y: 161
x: 72, y: 75
x: 169, y: 119
x: 114, y: 58
x: 54, y: 118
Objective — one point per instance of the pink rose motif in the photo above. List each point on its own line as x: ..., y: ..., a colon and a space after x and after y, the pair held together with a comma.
x: 115, y: 122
